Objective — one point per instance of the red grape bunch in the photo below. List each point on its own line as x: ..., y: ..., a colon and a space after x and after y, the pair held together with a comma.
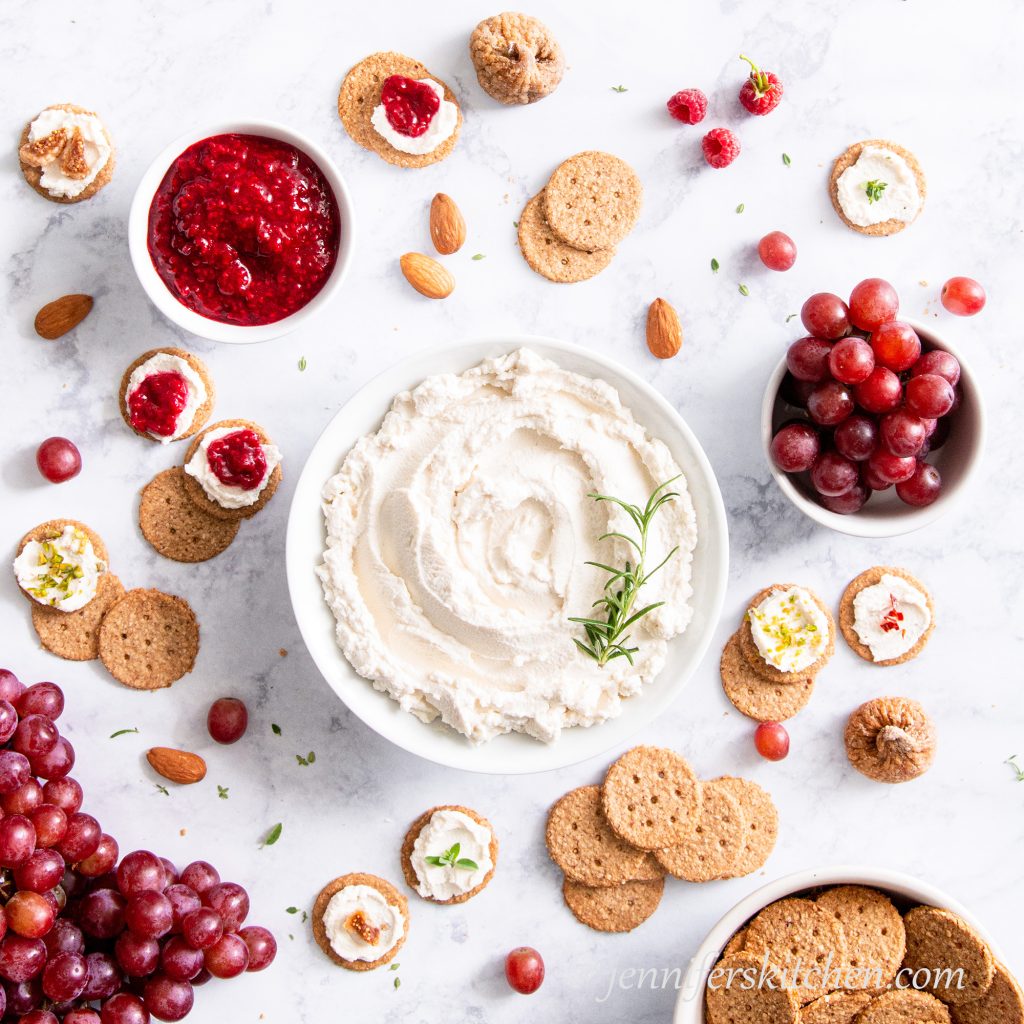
x: 86, y: 938
x: 870, y: 402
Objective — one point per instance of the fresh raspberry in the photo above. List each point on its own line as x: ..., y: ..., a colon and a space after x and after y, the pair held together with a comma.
x: 761, y: 92
x: 720, y: 147
x: 688, y: 106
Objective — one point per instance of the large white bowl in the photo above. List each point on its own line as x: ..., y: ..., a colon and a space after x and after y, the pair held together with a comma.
x: 158, y: 292
x: 885, y: 515
x: 690, y: 1004
x: 510, y: 754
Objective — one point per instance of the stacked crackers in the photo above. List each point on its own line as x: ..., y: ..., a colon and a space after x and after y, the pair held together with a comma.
x: 847, y: 955
x: 568, y: 232
x: 651, y: 817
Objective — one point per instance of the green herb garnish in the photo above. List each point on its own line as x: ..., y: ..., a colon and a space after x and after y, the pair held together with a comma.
x: 741, y: 208
x: 607, y: 638
x: 275, y: 728
x: 302, y: 364
x: 307, y: 760
x: 744, y: 290
x: 272, y: 836
x: 222, y: 792
x: 1018, y: 771
x: 162, y: 789
x: 874, y: 189
x: 790, y: 317
x: 451, y: 857
x: 785, y: 159
x: 122, y: 732
x: 714, y: 265
x: 619, y: 88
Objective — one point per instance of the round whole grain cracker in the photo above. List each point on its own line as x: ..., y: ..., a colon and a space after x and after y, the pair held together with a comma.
x: 748, y: 648
x: 549, y: 256
x: 202, y: 414
x: 734, y: 994
x: 651, y: 797
x: 386, y: 889
x: 149, y: 639
x: 360, y: 95
x: 848, y: 159
x: 940, y: 942
x: 175, y: 525
x: 33, y: 175
x: 869, y: 578
x: 876, y: 939
x: 756, y: 697
x: 905, y: 1006
x: 1003, y: 1002
x: 74, y: 636
x: 717, y: 842
x: 592, y: 200
x: 835, y: 1008
x: 762, y: 824
x: 800, y: 938
x: 413, y: 834
x: 613, y: 908
x: 581, y: 842
x: 194, y: 489
x: 51, y: 529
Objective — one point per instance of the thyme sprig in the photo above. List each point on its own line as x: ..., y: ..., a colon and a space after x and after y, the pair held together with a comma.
x: 451, y: 856
x: 607, y: 638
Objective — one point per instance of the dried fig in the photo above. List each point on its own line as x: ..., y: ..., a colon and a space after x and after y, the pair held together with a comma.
x: 516, y: 57
x: 890, y: 739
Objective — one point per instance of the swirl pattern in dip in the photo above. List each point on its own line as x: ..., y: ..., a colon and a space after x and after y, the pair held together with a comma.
x: 457, y: 538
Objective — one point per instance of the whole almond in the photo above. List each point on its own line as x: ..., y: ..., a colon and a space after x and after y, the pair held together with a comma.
x: 447, y: 226
x: 427, y: 276
x: 664, y: 332
x: 179, y: 766
x: 56, y: 318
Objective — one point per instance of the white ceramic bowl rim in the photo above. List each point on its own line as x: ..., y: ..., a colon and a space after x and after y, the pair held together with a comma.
x: 903, y: 518
x: 690, y: 1002
x: 514, y: 753
x: 154, y: 286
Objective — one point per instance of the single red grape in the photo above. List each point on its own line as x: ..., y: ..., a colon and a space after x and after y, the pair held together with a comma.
x: 262, y: 947
x: 21, y: 959
x: 137, y: 955
x: 46, y: 699
x: 167, y: 999
x: 830, y: 403
x: 833, y: 474
x: 795, y: 447
x: 149, y: 914
x: 825, y: 315
x: 42, y: 872
x: 200, y: 876
x: 940, y: 362
x: 202, y: 928
x: 179, y: 961
x: 101, y: 860
x: 15, y: 770
x: 65, y: 976
x: 17, y: 840
x: 227, y: 720
x: 140, y: 871
x: 963, y: 296
x: 29, y: 914
x: 524, y: 970
x: 772, y: 741
x: 50, y: 823
x: 35, y: 735
x: 63, y: 937
x: 929, y: 395
x: 856, y: 437
x: 56, y: 763
x: 58, y: 460
x: 851, y: 360
x: 777, y: 251
x: 81, y: 839
x: 873, y: 302
x: 124, y: 1008
x: 228, y: 957
x: 896, y: 345
x: 104, y: 977
x: 65, y: 793
x: 881, y: 392
x: 847, y: 503
x: 807, y: 359
x: 883, y: 465
x: 23, y: 800
x: 8, y: 720
x: 902, y: 433
x: 101, y: 913
x: 922, y: 488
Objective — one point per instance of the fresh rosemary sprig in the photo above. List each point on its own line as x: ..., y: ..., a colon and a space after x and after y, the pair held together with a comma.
x: 607, y: 638
x: 451, y: 856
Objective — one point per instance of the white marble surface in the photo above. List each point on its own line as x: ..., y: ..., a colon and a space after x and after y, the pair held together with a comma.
x: 936, y: 76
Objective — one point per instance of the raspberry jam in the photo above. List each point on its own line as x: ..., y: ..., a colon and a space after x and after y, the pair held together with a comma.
x: 244, y: 229
x: 237, y: 459
x: 155, y: 405
x: 409, y: 105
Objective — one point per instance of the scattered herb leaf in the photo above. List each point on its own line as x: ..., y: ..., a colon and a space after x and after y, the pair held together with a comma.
x: 1018, y: 770
x: 479, y: 256
x: 394, y: 967
x: 275, y: 728
x: 451, y: 856
x: 741, y: 208
x: 222, y: 792
x: 714, y: 265
x: 619, y: 88
x: 122, y: 732
x: 515, y: 224
x: 162, y: 789
x: 398, y: 982
x: 744, y: 290
x: 786, y: 160
x: 607, y: 637
x: 790, y: 317
x: 302, y: 364
x: 874, y: 189
x: 307, y: 760
x: 291, y: 910
x: 272, y: 836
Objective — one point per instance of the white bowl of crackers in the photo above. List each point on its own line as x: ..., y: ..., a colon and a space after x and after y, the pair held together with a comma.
x: 247, y: 273
x: 885, y: 515
x: 844, y: 944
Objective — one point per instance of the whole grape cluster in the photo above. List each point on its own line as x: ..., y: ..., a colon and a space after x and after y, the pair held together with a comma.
x: 874, y: 402
x: 86, y: 938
